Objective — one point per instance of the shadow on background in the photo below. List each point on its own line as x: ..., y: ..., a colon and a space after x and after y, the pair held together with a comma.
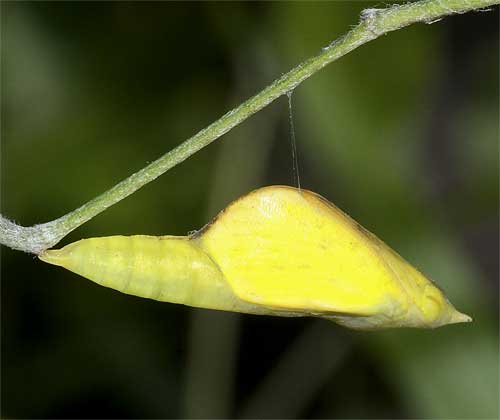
x: 401, y: 134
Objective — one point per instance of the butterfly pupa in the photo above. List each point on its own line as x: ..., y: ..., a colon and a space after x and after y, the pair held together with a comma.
x: 276, y: 251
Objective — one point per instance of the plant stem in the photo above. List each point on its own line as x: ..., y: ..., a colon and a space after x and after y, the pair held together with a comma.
x: 373, y: 23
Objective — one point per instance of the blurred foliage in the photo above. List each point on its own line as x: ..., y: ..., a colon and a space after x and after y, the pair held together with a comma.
x: 402, y: 134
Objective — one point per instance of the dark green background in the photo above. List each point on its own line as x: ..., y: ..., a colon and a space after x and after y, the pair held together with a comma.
x: 401, y: 134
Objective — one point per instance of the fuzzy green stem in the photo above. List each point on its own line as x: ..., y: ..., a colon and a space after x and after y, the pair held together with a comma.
x: 373, y: 23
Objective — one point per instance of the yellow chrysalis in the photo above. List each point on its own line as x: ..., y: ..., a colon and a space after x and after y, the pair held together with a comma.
x: 276, y: 251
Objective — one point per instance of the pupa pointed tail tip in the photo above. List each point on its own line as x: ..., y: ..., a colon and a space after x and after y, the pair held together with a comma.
x: 459, y: 317
x: 51, y: 256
